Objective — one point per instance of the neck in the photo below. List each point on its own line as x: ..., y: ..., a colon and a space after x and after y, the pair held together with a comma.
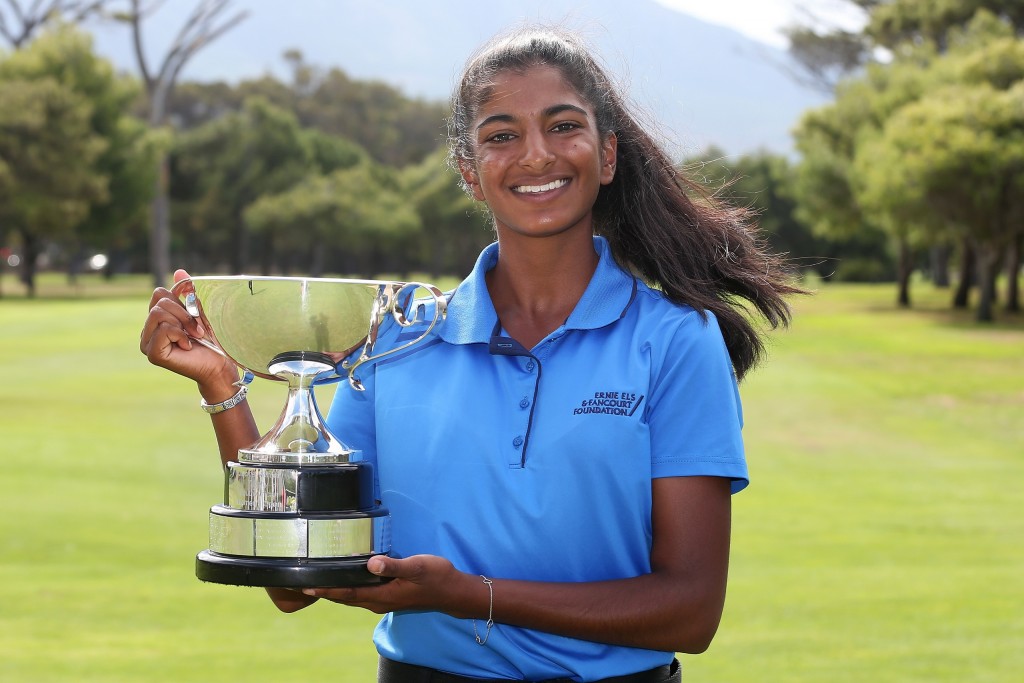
x: 537, y: 283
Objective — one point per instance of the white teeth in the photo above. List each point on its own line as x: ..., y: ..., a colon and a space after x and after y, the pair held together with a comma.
x: 528, y: 189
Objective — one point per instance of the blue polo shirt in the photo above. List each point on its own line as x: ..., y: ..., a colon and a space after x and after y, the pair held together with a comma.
x: 537, y: 463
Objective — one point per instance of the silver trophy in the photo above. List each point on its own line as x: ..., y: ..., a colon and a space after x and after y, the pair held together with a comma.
x: 299, y: 508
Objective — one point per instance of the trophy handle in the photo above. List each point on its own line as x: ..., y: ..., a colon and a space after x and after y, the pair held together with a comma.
x: 390, y: 301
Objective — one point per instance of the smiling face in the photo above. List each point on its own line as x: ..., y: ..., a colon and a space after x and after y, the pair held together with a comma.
x: 539, y: 158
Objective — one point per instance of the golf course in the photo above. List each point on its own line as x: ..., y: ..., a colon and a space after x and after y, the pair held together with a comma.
x: 881, y: 538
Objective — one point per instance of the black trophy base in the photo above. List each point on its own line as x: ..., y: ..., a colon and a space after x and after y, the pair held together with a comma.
x: 285, y: 572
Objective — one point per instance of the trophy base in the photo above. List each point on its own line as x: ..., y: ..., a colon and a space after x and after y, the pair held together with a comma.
x: 285, y: 572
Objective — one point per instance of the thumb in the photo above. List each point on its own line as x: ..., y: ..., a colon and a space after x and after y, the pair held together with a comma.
x: 180, y: 275
x: 382, y: 565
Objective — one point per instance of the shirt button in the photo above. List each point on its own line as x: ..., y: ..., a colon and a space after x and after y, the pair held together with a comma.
x: 530, y: 366
x: 524, y: 403
x: 517, y: 442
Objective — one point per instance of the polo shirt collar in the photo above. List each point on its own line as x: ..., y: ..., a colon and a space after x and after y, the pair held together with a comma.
x: 472, y: 319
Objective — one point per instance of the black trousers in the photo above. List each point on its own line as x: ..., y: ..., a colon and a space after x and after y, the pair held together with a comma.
x: 389, y: 671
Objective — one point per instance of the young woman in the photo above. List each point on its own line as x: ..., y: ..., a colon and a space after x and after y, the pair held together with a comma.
x: 558, y: 458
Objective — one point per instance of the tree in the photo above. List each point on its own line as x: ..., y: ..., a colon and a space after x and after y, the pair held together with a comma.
x: 67, y: 56
x: 455, y: 227
x: 222, y: 167
x: 18, y: 24
x: 762, y: 182
x: 47, y: 152
x: 351, y: 218
x: 825, y: 56
x: 64, y: 57
x: 959, y: 157
x: 908, y: 22
x: 205, y: 24
x: 396, y: 130
x: 843, y: 145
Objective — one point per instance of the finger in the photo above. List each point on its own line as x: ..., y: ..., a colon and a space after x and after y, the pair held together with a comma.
x: 189, y: 323
x: 382, y: 565
x: 180, y: 275
x: 169, y: 319
x: 157, y: 316
x: 165, y: 338
x: 345, y: 595
x: 159, y: 293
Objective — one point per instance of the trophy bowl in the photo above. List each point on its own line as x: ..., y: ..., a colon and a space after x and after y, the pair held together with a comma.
x: 299, y: 508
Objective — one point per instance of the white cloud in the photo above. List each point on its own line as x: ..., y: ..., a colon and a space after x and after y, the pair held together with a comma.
x: 762, y: 20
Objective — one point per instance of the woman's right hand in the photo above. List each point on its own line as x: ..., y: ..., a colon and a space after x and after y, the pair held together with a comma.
x: 167, y: 341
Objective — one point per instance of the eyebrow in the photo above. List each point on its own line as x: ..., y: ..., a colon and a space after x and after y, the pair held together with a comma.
x: 550, y: 111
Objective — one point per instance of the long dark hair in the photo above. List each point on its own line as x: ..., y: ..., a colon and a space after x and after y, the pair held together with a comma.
x: 659, y: 224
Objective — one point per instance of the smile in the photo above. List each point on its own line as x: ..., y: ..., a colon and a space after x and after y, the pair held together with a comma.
x: 531, y: 189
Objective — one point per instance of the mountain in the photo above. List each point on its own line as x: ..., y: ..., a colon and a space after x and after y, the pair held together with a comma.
x: 703, y: 84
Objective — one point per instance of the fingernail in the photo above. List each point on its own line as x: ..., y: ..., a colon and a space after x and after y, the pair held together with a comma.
x: 374, y: 565
x: 200, y: 330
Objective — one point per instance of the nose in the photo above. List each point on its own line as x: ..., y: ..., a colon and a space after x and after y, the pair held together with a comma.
x: 537, y: 153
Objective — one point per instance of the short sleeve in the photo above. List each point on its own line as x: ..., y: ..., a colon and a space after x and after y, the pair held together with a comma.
x: 694, y: 414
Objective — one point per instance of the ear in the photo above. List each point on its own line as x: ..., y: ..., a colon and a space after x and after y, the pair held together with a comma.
x: 609, y: 148
x: 470, y: 177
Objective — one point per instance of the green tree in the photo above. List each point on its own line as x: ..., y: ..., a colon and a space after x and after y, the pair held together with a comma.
x: 331, y: 152
x: 840, y: 179
x: 901, y: 22
x: 351, y: 218
x: 66, y: 55
x: 455, y: 227
x: 395, y: 130
x: 47, y: 155
x: 828, y: 139
x: 955, y: 161
x: 222, y: 167
x: 762, y: 182
x: 116, y: 150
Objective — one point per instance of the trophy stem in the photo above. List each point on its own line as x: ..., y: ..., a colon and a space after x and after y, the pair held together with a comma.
x: 300, y: 435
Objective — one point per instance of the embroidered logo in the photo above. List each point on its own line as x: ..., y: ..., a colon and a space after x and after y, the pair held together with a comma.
x: 621, y: 403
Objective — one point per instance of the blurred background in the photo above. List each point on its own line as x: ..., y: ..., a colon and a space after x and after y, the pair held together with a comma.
x: 880, y: 142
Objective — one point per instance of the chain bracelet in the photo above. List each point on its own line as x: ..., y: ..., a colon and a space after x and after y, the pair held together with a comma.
x: 490, y: 614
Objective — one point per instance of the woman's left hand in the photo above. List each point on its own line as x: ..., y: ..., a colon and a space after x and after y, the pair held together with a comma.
x: 420, y: 582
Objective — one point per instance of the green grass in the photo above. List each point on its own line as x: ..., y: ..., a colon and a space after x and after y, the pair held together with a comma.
x: 881, y: 539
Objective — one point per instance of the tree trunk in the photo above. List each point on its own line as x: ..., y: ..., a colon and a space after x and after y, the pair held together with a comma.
x: 906, y: 268
x: 940, y: 265
x: 987, y: 273
x: 159, y: 229
x: 30, y: 255
x: 1013, y: 274
x: 965, y: 276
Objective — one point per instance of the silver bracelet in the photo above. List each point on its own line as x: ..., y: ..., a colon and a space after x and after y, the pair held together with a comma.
x: 490, y: 614
x: 225, y: 405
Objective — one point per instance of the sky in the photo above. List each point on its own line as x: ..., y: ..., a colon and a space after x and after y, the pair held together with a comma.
x: 763, y: 20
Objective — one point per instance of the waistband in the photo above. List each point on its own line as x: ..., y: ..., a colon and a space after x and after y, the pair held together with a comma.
x: 390, y: 671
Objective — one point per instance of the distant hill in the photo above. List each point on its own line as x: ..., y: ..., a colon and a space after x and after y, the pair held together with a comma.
x: 703, y: 84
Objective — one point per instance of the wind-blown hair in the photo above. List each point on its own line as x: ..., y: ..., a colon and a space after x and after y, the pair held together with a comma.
x: 659, y: 224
